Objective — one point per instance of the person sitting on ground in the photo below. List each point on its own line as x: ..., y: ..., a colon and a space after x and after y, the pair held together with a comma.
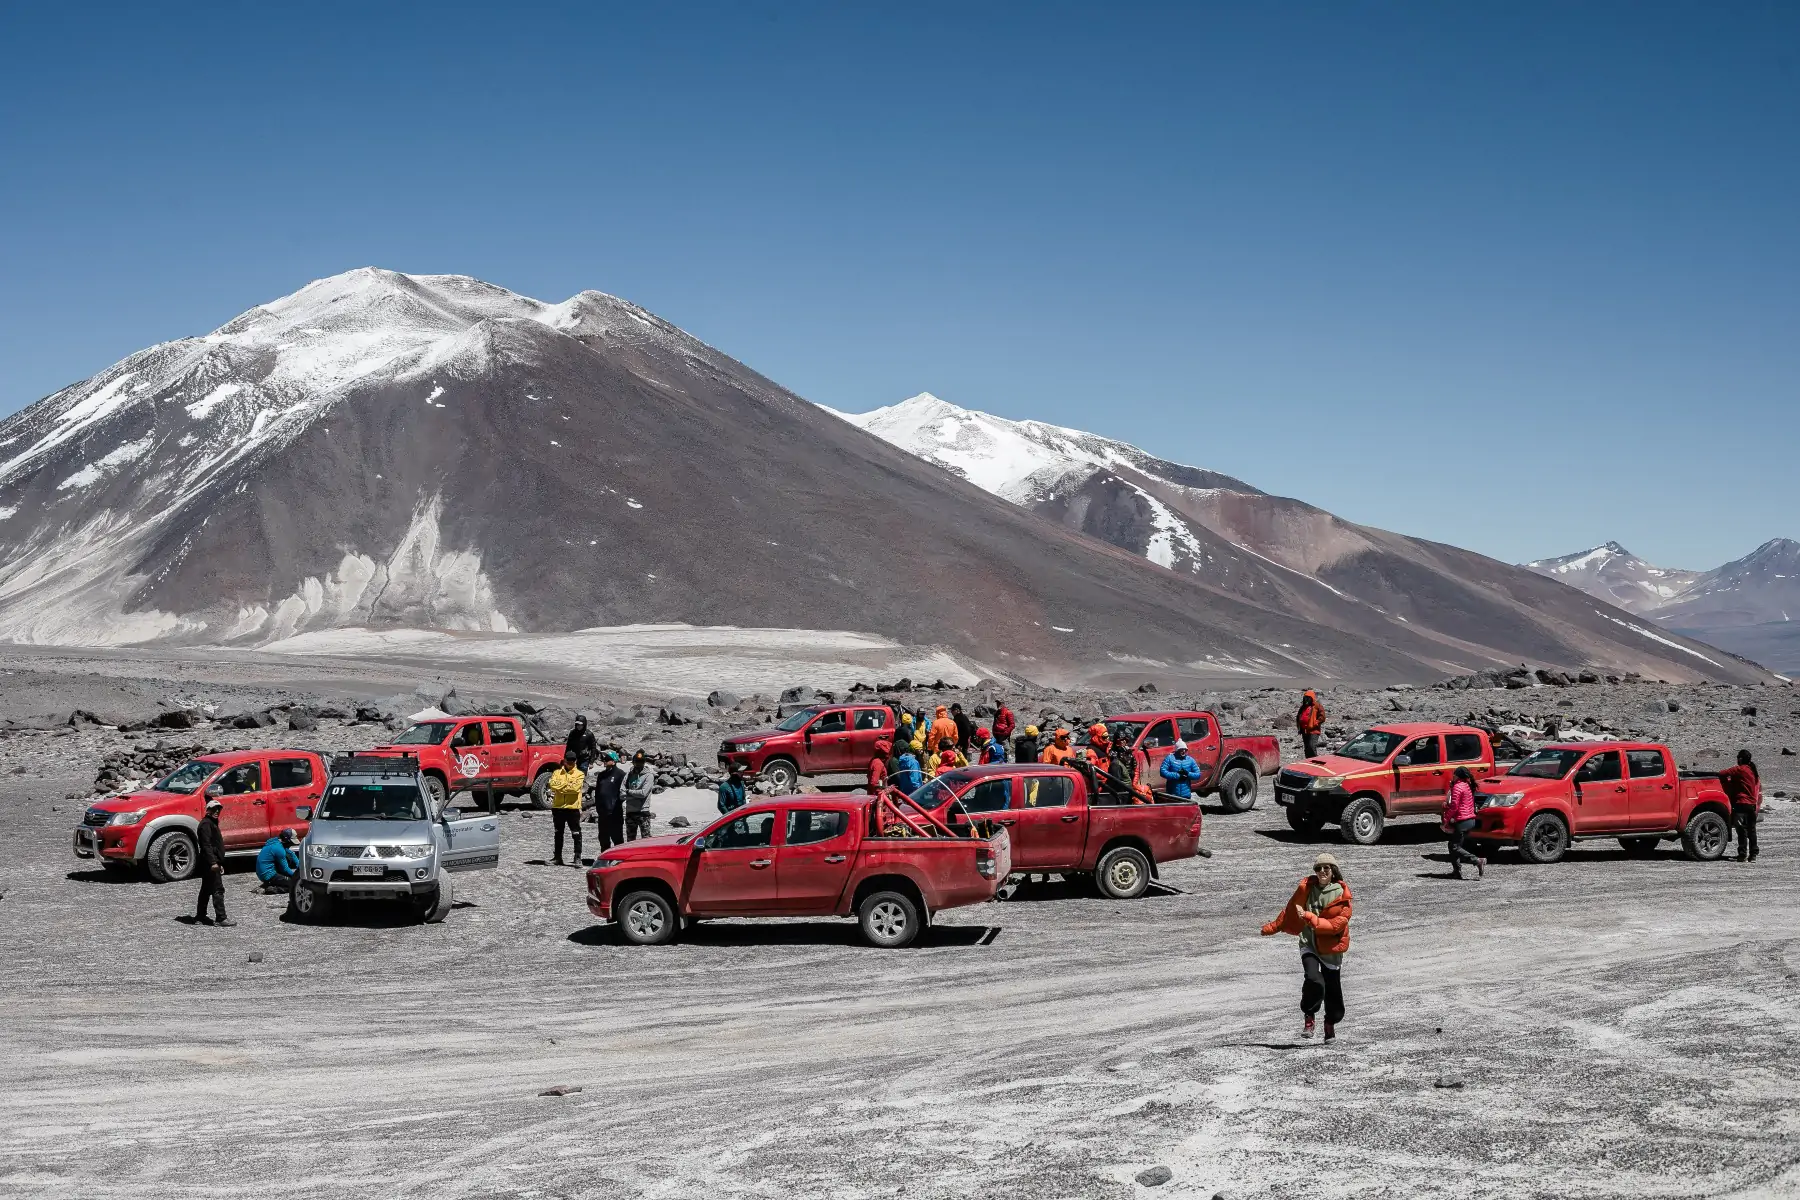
x: 278, y: 863
x: 1025, y: 746
x: 1182, y: 771
x: 732, y: 793
x: 1058, y: 752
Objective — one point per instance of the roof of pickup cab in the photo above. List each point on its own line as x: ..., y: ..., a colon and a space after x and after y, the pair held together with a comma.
x: 1605, y: 746
x: 1157, y: 715
x: 231, y: 758
x: 1420, y: 728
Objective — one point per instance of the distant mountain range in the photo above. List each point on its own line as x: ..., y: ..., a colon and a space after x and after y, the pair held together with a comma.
x: 402, y: 452
x: 1747, y: 606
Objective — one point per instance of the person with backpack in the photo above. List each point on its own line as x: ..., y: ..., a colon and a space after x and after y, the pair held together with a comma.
x: 1311, y: 721
x: 1025, y: 746
x: 1743, y: 787
x: 1458, y: 819
x: 993, y: 750
x: 1319, y: 912
x: 910, y: 776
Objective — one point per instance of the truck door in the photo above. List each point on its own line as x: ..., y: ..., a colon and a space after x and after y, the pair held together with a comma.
x: 244, y: 815
x: 868, y: 726
x: 1420, y: 785
x: 506, y: 754
x: 1154, y: 746
x: 293, y: 785
x: 736, y: 871
x: 1051, y: 824
x: 827, y: 742
x: 1203, y: 740
x: 1466, y: 750
x: 812, y: 864
x: 470, y: 844
x: 1655, y: 800
x: 468, y: 761
x: 1602, y: 799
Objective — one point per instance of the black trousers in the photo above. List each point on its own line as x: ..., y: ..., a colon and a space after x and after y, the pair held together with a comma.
x: 1459, y: 854
x: 1744, y: 817
x: 212, y: 883
x: 637, y: 825
x: 1311, y: 742
x: 282, y: 881
x: 612, y: 828
x: 1322, y: 983
x: 570, y: 819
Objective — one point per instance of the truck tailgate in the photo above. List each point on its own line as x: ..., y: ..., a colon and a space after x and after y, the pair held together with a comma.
x: 1171, y: 831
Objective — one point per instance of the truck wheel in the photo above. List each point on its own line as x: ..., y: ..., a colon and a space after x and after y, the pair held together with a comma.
x: 1705, y: 836
x: 1640, y: 847
x: 440, y: 792
x: 782, y: 775
x: 172, y: 857
x: 1123, y: 873
x: 1304, y: 822
x: 1362, y: 822
x: 540, y: 790
x: 442, y: 902
x: 308, y: 903
x: 889, y: 920
x: 1237, y: 790
x: 645, y: 918
x: 1545, y: 839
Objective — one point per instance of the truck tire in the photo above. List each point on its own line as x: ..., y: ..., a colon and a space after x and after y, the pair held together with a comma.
x: 1640, y: 847
x: 1545, y: 839
x: 172, y: 856
x: 1123, y: 873
x: 1362, y: 821
x: 308, y: 903
x: 1305, y: 821
x: 889, y: 920
x: 440, y: 792
x: 1705, y: 836
x: 443, y: 901
x: 783, y: 775
x: 540, y: 790
x: 646, y: 918
x: 1237, y: 790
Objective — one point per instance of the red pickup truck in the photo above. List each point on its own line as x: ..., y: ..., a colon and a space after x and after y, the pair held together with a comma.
x: 1058, y: 826
x: 469, y: 753
x: 826, y: 739
x: 794, y: 856
x: 1229, y: 766
x: 1628, y: 790
x: 1385, y: 772
x: 263, y: 792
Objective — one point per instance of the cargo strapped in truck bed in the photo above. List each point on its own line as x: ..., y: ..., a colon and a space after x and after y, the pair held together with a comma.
x: 352, y: 763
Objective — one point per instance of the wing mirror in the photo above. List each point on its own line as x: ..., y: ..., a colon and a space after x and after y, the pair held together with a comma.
x: 700, y: 842
x: 216, y: 792
x: 1404, y: 760
x: 303, y: 813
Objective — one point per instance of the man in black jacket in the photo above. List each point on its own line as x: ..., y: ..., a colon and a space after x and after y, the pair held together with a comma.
x: 582, y: 745
x: 965, y: 728
x: 212, y: 866
x: 609, y: 802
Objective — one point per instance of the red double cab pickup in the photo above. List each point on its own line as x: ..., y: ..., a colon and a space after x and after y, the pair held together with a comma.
x: 1058, y: 826
x: 480, y: 751
x: 1229, y: 766
x: 1385, y: 772
x: 795, y: 856
x: 825, y: 739
x: 262, y: 793
x: 1629, y: 790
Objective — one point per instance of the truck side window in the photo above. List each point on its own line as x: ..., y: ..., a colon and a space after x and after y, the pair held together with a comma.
x: 1161, y: 734
x: 290, y: 773
x: 806, y: 826
x: 1048, y: 791
x: 469, y: 735
x: 1599, y: 768
x: 749, y: 830
x: 871, y: 718
x: 1462, y: 747
x: 241, y: 779
x: 990, y: 795
x: 1646, y: 764
x: 831, y: 722
x: 1193, y: 729
x: 502, y: 731
x: 1424, y: 751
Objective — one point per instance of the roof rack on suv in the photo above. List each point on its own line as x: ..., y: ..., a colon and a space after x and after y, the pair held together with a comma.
x: 352, y: 763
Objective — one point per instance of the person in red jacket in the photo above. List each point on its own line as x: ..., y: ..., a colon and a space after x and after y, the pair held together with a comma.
x: 1743, y: 787
x: 1319, y: 911
x: 1004, y: 723
x: 1458, y: 819
x: 878, y: 769
x: 1310, y: 720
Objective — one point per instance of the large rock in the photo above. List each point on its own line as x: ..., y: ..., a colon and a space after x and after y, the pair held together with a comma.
x: 301, y: 722
x: 799, y: 694
x: 723, y: 699
x: 178, y: 718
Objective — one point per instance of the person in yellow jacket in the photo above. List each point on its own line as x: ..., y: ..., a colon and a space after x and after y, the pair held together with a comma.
x: 567, y: 783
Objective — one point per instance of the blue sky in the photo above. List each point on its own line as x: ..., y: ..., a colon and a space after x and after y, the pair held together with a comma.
x: 1518, y: 277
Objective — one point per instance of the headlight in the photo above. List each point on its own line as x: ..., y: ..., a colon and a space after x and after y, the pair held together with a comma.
x: 1325, y: 783
x: 417, y: 851
x: 1504, y: 799
x: 746, y: 747
x: 607, y: 862
x: 130, y: 818
x: 313, y: 851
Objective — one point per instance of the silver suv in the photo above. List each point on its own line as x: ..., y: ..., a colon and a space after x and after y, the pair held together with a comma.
x: 378, y: 834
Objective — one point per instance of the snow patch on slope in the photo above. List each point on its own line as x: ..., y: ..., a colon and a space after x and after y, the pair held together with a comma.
x: 96, y: 471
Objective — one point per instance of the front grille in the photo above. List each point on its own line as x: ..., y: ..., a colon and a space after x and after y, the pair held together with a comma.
x: 1293, y: 781
x: 94, y: 818
x: 343, y: 875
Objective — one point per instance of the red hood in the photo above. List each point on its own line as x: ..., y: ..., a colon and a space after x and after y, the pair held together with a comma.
x: 1332, y: 764
x: 758, y: 735
x: 132, y: 801
x: 669, y: 845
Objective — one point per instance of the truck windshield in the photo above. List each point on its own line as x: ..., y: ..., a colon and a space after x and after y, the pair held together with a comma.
x: 426, y: 733
x: 372, y: 802
x: 1372, y: 745
x: 186, y: 779
x: 1548, y: 764
x: 940, y: 790
x: 797, y: 720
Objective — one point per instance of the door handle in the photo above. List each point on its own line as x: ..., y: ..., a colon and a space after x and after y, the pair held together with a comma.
x: 1618, y: 789
x: 1668, y: 787
x: 834, y: 858
x: 1071, y: 817
x: 1008, y: 820
x: 759, y: 863
x: 259, y: 802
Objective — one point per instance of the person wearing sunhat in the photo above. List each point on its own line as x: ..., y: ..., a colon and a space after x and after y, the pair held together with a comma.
x: 211, y: 845
x: 1319, y: 911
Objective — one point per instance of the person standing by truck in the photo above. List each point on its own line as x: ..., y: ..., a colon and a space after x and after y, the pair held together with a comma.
x: 943, y: 728
x: 211, y: 845
x: 1319, y: 911
x: 1004, y: 723
x: 732, y: 792
x: 965, y: 728
x: 1181, y: 771
x: 1058, y: 752
x: 609, y: 801
x: 1743, y: 787
x: 1310, y: 720
x: 878, y: 768
x: 567, y: 783
x: 1025, y: 746
x: 1459, y: 818
x: 582, y: 745
x: 909, y: 778
x: 639, y: 784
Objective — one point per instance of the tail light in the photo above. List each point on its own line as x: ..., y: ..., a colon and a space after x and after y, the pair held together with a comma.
x: 1195, y: 827
x: 984, y: 862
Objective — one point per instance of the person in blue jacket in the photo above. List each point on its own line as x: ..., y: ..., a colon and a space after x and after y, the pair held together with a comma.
x: 277, y: 863
x: 732, y: 793
x: 1182, y: 772
x: 909, y: 778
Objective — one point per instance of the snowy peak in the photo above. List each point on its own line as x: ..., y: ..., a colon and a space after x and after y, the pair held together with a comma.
x: 1618, y: 576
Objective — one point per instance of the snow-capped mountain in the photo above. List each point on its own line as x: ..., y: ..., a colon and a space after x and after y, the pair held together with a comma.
x: 1618, y: 576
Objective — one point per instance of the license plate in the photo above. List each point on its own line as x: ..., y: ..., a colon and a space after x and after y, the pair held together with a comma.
x: 375, y: 869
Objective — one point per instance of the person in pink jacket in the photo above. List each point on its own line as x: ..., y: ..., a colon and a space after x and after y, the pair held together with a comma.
x: 1459, y: 818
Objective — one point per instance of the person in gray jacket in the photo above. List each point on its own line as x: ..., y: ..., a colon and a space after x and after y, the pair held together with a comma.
x: 639, y: 783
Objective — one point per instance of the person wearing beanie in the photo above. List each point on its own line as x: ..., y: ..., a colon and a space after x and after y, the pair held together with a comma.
x: 1181, y: 771
x: 1319, y: 912
x: 1025, y: 746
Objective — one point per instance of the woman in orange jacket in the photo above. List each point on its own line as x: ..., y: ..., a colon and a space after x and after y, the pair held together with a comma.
x: 1319, y: 911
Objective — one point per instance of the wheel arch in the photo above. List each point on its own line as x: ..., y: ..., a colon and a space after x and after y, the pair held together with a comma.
x: 1133, y: 841
x: 887, y: 881
x: 646, y: 883
x: 158, y: 826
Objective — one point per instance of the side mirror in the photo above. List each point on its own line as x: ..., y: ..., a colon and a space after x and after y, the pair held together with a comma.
x: 303, y: 813
x: 1404, y: 760
x: 700, y: 842
x: 216, y: 792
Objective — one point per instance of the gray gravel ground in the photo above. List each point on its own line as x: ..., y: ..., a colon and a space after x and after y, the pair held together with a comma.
x: 1618, y: 1027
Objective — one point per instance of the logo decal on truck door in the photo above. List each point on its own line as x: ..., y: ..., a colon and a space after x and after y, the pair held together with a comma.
x: 469, y: 764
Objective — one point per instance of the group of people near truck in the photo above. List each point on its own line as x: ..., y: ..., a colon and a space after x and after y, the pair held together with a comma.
x: 590, y: 778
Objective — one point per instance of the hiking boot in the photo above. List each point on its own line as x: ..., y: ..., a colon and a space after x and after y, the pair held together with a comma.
x: 1481, y: 868
x: 1330, y: 1032
x: 203, y: 920
x: 225, y: 921
x: 1306, y: 1030
x: 556, y: 862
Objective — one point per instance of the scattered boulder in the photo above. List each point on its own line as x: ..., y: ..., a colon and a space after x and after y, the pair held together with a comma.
x: 1448, y: 1081
x: 1147, y: 689
x: 1553, y: 678
x: 1588, y: 677
x: 561, y: 1089
x: 679, y: 822
x: 1787, y: 753
x: 178, y: 718
x: 1673, y: 704
x: 725, y: 699
x: 674, y: 716
x: 301, y: 722
x: 256, y: 956
x: 250, y: 720
x: 1155, y: 1176
x: 369, y: 712
x: 329, y: 712
x: 1748, y: 710
x: 798, y: 694
x: 526, y: 707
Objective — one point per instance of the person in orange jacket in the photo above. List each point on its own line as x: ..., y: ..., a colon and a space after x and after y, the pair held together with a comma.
x: 1099, y: 747
x: 1319, y: 911
x: 943, y: 726
x: 1058, y: 752
x: 1310, y: 720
